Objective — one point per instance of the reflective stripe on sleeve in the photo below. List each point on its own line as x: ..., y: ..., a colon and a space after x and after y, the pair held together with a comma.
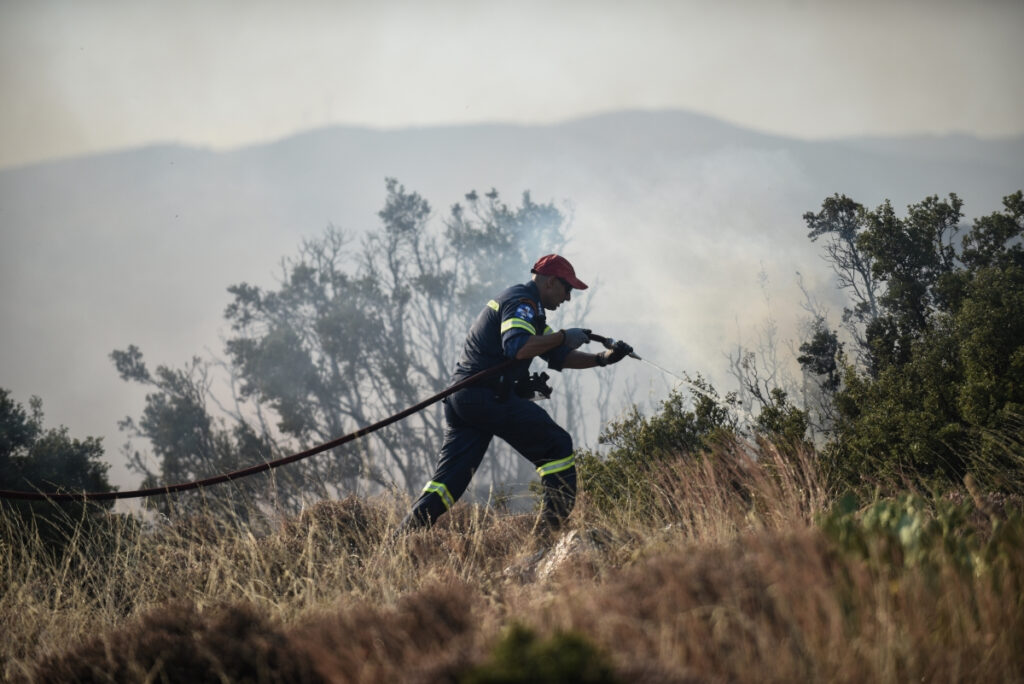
x: 517, y: 323
x: 442, y: 491
x: 557, y: 466
x: 493, y: 304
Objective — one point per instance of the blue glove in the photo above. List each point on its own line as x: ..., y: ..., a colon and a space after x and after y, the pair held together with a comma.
x: 576, y: 337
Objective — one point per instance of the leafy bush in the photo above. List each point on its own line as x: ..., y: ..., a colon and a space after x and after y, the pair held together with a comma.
x: 639, y: 444
x: 781, y: 421
x: 910, y: 530
x: 522, y: 658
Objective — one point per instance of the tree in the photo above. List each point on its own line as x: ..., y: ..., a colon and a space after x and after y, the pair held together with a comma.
x: 355, y: 331
x: 33, y: 458
x: 941, y: 392
x: 189, y: 443
x: 842, y: 220
x: 821, y: 356
x: 913, y: 259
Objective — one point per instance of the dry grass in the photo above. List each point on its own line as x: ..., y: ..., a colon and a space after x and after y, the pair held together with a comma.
x: 720, y: 574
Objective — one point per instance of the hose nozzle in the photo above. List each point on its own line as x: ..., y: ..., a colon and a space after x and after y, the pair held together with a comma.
x: 609, y: 343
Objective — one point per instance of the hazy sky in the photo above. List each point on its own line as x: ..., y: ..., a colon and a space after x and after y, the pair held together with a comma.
x: 79, y: 77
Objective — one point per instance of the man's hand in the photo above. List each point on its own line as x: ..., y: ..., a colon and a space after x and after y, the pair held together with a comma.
x: 576, y: 337
x: 619, y: 351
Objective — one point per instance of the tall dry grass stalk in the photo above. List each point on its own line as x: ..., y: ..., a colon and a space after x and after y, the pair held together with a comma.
x: 716, y: 572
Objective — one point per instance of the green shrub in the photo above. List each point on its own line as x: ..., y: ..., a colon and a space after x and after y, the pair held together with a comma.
x: 521, y: 657
x: 639, y: 444
x: 912, y: 531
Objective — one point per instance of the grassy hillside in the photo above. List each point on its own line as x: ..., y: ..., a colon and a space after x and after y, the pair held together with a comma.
x: 729, y: 569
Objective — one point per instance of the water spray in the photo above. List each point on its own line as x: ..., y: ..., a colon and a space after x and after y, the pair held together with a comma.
x: 609, y: 343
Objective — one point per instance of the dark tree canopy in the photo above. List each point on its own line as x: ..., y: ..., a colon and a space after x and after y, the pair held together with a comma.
x: 939, y: 388
x: 34, y: 458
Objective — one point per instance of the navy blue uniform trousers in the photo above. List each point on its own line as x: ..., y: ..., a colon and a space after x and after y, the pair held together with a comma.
x: 474, y: 416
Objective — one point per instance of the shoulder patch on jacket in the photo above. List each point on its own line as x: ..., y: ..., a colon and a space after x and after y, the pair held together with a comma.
x: 525, y: 310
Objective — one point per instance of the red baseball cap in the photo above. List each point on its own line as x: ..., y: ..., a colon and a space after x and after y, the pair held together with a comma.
x: 554, y: 265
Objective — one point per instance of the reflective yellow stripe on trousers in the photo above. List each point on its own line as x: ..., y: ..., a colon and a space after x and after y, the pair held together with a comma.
x: 442, y: 491
x: 557, y: 466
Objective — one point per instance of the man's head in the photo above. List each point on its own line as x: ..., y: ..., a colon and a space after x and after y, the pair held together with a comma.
x: 555, y: 278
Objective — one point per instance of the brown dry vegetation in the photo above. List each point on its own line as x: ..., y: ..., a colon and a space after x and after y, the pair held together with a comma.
x: 721, y: 571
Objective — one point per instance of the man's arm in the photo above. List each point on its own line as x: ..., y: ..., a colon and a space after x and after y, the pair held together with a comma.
x: 577, y: 360
x: 538, y: 344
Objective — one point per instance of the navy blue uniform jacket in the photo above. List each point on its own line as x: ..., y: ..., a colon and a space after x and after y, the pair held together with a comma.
x: 501, y: 330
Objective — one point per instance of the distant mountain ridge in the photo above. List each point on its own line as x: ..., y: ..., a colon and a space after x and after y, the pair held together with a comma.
x: 138, y: 246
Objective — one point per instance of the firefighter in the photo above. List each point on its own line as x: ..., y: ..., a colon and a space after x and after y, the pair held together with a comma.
x: 513, y: 325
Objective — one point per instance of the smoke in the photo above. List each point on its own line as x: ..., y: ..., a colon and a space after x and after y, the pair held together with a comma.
x: 688, y: 231
x: 696, y: 256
